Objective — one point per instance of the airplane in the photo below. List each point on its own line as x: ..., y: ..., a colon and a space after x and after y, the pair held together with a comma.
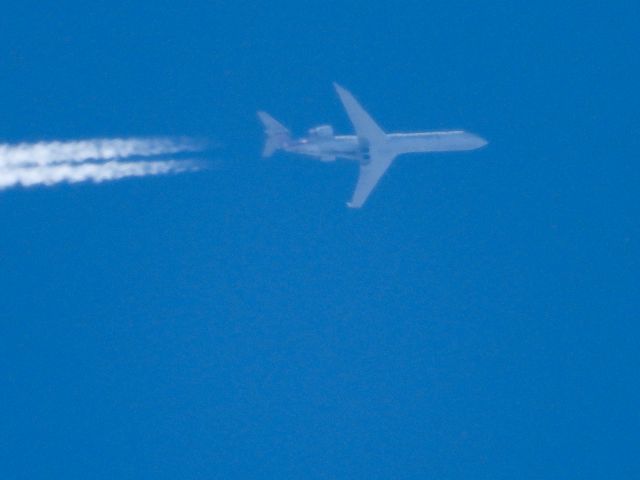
x: 371, y: 147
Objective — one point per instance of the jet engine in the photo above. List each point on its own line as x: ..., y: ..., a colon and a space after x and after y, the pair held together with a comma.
x: 323, y: 131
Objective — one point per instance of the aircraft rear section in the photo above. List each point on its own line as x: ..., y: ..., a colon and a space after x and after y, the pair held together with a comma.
x: 277, y: 134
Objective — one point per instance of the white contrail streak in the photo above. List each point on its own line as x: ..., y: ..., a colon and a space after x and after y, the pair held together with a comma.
x: 95, y: 160
x: 94, y: 172
x: 44, y: 153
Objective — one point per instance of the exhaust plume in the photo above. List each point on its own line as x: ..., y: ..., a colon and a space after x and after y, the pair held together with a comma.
x: 96, y: 160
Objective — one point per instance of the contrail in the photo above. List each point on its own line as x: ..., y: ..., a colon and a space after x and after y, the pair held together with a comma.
x: 95, y: 172
x: 44, y: 153
x: 97, y: 160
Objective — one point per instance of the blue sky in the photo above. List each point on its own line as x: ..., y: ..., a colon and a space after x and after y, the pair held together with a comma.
x: 477, y: 319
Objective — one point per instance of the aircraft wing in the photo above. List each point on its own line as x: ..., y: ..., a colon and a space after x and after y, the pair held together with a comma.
x: 368, y: 131
x: 364, y: 125
x: 370, y: 174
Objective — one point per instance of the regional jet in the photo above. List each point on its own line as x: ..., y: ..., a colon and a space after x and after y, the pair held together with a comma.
x: 371, y: 147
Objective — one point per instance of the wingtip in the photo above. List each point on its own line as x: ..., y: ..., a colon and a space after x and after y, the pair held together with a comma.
x: 339, y: 88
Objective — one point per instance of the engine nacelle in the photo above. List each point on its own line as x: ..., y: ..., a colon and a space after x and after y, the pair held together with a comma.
x: 323, y: 131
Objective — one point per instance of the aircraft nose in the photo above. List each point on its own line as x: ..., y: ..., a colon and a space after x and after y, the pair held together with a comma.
x: 480, y: 142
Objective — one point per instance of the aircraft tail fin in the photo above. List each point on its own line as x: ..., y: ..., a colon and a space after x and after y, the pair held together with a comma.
x: 277, y: 134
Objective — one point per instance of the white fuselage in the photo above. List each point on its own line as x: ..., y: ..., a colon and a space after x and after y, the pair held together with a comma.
x: 349, y: 147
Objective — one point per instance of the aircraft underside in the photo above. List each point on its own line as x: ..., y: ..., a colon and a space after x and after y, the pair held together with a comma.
x: 371, y: 147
